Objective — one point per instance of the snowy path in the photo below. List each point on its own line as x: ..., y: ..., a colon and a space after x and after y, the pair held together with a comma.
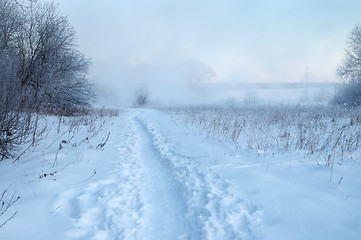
x: 154, y: 193
x: 211, y: 210
x: 164, y: 204
x: 159, y: 179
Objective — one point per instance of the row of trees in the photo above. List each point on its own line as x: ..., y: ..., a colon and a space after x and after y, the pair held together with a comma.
x: 41, y: 71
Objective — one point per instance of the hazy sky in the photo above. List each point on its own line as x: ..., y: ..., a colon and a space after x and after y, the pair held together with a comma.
x: 132, y: 41
x: 244, y: 40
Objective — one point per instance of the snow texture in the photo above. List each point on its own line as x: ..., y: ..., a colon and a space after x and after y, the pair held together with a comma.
x: 157, y: 179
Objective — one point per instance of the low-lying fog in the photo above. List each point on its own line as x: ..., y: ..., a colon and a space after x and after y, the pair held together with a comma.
x: 192, y: 84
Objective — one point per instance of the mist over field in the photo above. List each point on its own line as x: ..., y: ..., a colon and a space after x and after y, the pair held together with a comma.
x: 152, y: 44
x: 173, y: 85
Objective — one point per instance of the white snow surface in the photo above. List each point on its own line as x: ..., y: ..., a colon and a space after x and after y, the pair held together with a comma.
x: 157, y: 179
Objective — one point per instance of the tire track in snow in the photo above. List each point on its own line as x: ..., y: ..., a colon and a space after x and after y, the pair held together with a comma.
x: 211, y: 209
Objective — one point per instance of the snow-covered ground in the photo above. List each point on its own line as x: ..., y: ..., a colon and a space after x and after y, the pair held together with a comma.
x: 156, y: 178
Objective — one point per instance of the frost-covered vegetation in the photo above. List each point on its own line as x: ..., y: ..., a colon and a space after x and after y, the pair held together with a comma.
x: 41, y: 71
x: 57, y: 146
x: 333, y: 134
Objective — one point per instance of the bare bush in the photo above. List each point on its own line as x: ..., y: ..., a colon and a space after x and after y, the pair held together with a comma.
x: 141, y: 97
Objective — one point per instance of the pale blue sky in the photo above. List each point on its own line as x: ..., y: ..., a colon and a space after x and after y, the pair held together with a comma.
x: 241, y: 40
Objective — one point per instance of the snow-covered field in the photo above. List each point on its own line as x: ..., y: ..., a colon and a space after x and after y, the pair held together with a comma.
x: 146, y: 174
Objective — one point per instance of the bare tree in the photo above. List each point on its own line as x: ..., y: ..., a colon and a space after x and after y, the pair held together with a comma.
x: 350, y: 68
x: 41, y: 70
x: 13, y: 123
x: 350, y: 71
x: 52, y: 68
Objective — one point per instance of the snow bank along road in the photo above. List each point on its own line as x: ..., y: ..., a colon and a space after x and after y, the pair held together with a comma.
x: 154, y: 193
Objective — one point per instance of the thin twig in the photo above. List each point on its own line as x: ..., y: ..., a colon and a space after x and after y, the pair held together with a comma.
x: 4, y: 223
x: 90, y: 176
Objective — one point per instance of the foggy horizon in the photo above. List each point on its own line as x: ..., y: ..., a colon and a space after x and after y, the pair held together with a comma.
x: 147, y: 43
